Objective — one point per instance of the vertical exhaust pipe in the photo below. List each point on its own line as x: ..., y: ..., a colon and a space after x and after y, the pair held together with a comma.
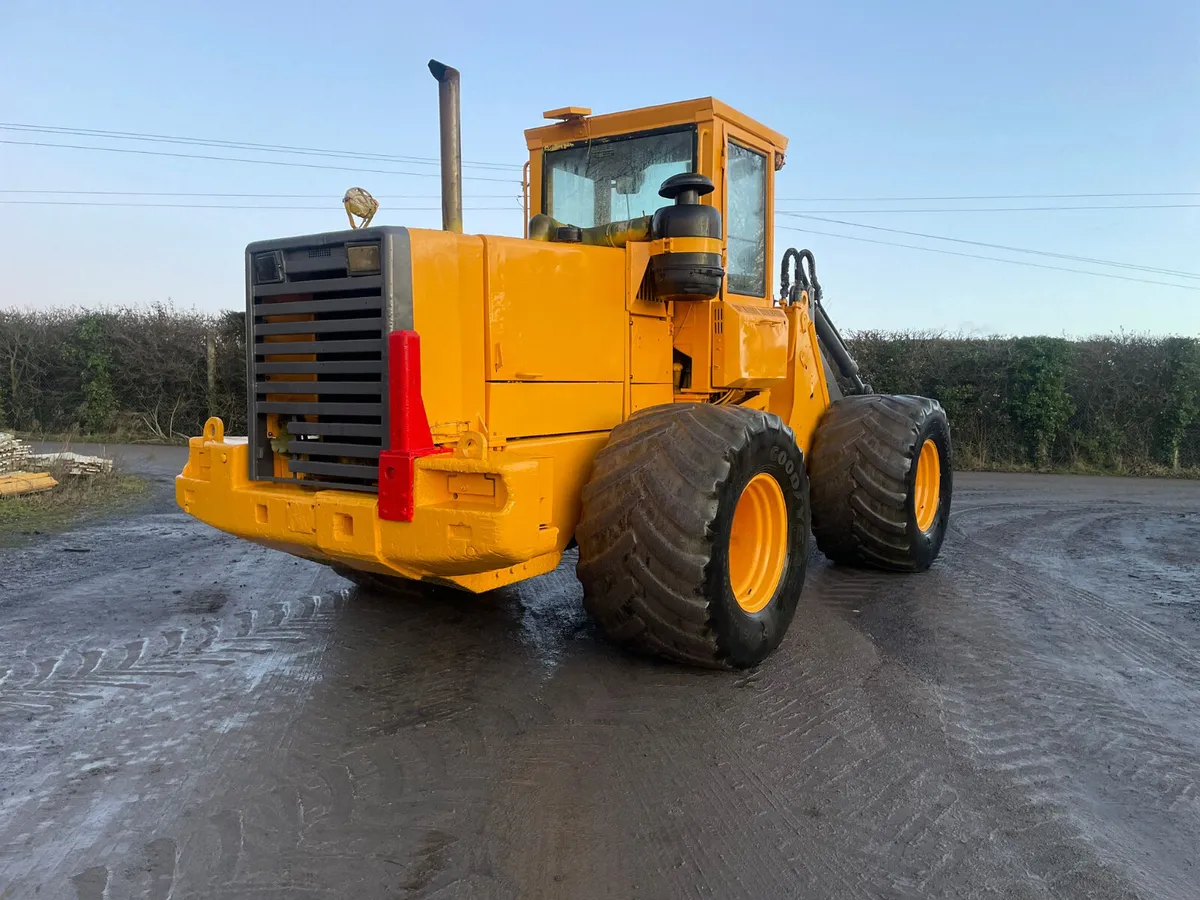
x: 450, y: 117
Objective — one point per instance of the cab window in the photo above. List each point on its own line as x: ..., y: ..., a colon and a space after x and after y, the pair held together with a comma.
x: 746, y: 221
x: 610, y: 179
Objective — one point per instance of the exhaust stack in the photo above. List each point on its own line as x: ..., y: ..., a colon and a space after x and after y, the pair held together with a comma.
x: 449, y: 116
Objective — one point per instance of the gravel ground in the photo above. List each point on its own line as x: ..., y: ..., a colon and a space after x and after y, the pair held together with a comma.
x: 183, y: 715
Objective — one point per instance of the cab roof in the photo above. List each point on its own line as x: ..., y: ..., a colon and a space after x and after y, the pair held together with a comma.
x: 580, y: 125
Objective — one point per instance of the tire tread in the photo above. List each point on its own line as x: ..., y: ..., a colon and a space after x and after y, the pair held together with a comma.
x: 859, y: 467
x: 645, y: 528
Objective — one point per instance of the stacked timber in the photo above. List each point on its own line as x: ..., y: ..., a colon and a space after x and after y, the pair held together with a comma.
x: 14, y: 454
x: 17, y: 484
x: 17, y: 456
x: 71, y: 463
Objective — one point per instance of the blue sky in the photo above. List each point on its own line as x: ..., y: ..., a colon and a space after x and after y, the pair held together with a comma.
x: 926, y: 99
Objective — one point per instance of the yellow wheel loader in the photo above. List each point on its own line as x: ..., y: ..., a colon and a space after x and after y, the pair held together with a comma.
x: 462, y: 409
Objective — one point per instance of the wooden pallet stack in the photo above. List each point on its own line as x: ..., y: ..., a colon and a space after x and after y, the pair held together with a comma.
x: 68, y: 463
x: 14, y: 480
x: 14, y: 454
x: 24, y: 472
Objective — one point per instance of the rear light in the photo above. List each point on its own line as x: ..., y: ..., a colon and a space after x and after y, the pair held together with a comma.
x: 409, y: 437
x: 362, y: 259
x: 268, y: 267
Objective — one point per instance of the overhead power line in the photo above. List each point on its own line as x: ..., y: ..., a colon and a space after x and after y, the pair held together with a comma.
x: 242, y: 145
x: 992, y: 209
x: 324, y: 196
x: 793, y: 213
x: 938, y: 237
x: 433, y: 161
x: 135, y: 205
x: 1012, y: 262
x: 259, y: 162
x: 984, y: 197
x: 333, y: 205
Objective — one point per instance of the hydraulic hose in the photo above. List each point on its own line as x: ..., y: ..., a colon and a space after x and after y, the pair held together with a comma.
x: 798, y: 273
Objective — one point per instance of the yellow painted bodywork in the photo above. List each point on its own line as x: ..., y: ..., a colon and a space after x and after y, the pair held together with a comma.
x: 479, y: 522
x: 555, y: 312
x: 803, y: 396
x: 525, y: 409
x: 531, y: 352
x: 750, y: 346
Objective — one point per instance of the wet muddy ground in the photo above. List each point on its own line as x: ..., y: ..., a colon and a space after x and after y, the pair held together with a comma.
x: 186, y: 716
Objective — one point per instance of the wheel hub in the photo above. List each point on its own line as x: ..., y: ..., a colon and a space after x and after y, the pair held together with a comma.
x: 758, y: 543
x: 927, y: 487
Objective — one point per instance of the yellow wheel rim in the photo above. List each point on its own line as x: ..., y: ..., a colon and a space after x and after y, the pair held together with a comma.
x: 927, y: 489
x: 758, y: 543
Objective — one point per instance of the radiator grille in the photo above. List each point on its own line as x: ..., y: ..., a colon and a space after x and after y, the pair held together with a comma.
x: 645, y: 291
x: 318, y: 362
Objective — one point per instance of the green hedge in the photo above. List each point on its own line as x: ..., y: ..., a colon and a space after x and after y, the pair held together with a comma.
x: 125, y: 373
x: 1118, y: 404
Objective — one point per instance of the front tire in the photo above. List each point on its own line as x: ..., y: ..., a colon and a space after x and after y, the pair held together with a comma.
x: 693, y: 540
x: 882, y: 475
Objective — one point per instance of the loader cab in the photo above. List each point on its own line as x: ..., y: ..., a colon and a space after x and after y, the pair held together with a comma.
x: 594, y: 170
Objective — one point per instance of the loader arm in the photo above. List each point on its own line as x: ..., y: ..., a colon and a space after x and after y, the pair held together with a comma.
x: 802, y: 398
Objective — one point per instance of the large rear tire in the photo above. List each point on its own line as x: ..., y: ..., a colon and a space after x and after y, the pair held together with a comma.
x: 882, y: 476
x: 693, y: 540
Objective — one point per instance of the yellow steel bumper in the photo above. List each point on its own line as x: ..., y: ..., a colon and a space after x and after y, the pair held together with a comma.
x: 479, y: 523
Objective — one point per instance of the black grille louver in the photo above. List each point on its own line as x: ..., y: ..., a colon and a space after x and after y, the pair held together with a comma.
x: 318, y: 370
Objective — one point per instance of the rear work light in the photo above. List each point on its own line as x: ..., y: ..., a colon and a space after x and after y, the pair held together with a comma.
x: 268, y: 267
x: 362, y: 259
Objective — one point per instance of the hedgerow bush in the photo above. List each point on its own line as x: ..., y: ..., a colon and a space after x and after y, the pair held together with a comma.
x: 1123, y: 403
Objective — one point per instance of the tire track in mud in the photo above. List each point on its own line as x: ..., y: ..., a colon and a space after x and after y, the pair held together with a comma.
x: 1061, y: 715
x: 861, y: 806
x: 282, y: 643
x: 1152, y: 673
x: 1019, y: 717
x: 947, y: 734
x: 864, y: 808
x: 195, y: 690
x: 204, y: 665
x: 1113, y: 631
x: 376, y: 785
x: 891, y: 783
x: 1044, y: 718
x: 151, y: 875
x: 36, y: 684
x: 1046, y: 781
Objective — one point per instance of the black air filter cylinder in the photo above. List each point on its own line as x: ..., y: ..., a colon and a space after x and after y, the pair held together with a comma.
x: 689, y: 267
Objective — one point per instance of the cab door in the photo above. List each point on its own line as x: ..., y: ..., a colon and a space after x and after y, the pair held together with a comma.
x: 748, y: 183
